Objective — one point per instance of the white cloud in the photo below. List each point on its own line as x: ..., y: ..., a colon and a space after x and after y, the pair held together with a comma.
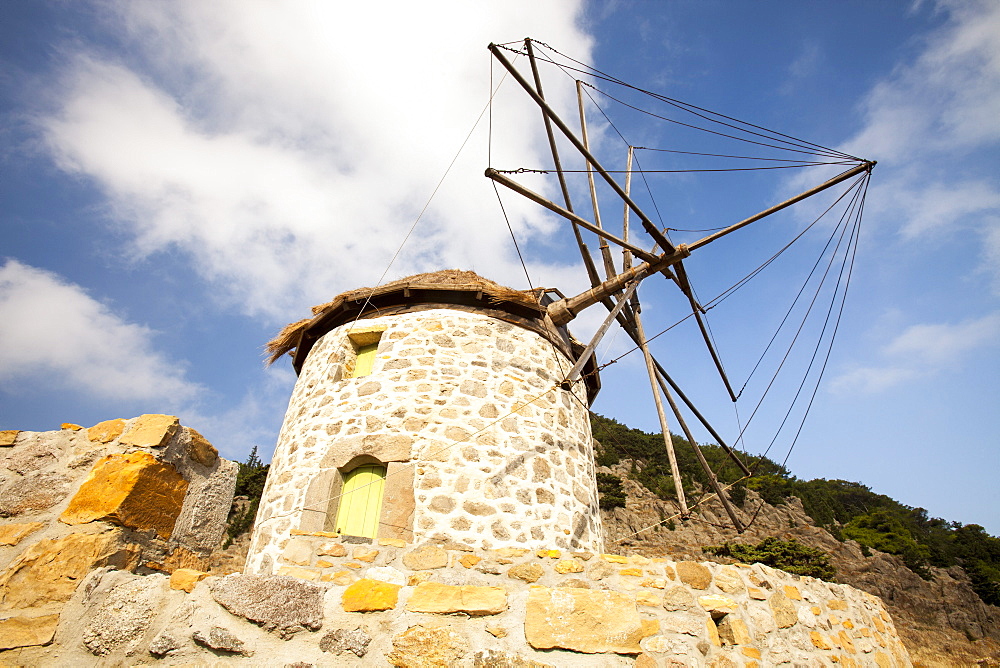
x: 288, y: 147
x: 933, y: 125
x: 922, y: 350
x: 53, y: 333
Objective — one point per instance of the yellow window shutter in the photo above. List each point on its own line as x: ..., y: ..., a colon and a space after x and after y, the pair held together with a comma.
x: 365, y: 360
x: 361, y: 501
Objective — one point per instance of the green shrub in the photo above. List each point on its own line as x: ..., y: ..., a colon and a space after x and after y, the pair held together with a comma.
x: 609, y: 491
x: 790, y: 556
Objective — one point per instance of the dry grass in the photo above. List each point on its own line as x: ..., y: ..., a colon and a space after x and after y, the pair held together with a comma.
x: 288, y: 338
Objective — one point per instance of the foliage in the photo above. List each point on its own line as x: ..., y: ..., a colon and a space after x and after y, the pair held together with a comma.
x: 790, y: 556
x: 610, y: 492
x: 249, y: 483
x: 849, y: 510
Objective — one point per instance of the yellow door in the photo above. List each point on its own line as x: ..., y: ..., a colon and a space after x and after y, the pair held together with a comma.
x: 365, y: 360
x: 361, y: 501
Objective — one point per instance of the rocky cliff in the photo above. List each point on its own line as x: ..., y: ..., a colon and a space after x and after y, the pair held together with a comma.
x: 940, y: 620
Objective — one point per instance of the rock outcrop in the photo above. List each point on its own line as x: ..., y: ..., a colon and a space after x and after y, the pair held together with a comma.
x: 941, y: 620
x: 143, y: 495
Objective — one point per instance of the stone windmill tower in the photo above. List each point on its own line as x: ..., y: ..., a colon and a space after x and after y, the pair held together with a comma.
x: 433, y: 408
x: 446, y: 407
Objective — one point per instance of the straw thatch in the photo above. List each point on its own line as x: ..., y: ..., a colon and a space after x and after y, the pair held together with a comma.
x: 456, y: 279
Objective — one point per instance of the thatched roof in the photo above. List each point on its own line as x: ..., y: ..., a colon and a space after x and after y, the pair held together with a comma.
x: 447, y: 279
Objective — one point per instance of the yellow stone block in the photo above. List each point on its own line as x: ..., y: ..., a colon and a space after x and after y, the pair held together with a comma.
x: 848, y: 624
x: 836, y: 604
x: 12, y: 534
x: 107, y: 431
x: 469, y: 560
x: 713, y: 632
x: 323, y: 563
x: 200, y: 450
x: 150, y: 431
x: 367, y: 595
x: 792, y: 592
x: 508, y: 552
x: 184, y: 579
x: 417, y: 578
x: 331, y: 549
x: 26, y: 631
x: 650, y: 627
x: 757, y: 594
x: 733, y: 631
x: 364, y: 554
x: 436, y: 598
x: 341, y: 578
x: 816, y: 610
x: 750, y: 652
x: 655, y: 583
x: 882, y: 660
x: 300, y: 573
x: 70, y: 426
x: 834, y: 620
x: 614, y: 558
x: 549, y: 554
x: 717, y: 605
x: 353, y: 564
x: 133, y: 490
x: 632, y: 572
x: 8, y: 437
x: 391, y: 542
x: 846, y: 642
x: 648, y: 598
x: 638, y: 560
x: 819, y: 641
x: 497, y: 631
x: 50, y: 570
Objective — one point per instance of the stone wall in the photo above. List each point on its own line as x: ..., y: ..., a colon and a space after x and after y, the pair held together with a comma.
x: 483, y: 446
x: 142, y: 494
x: 377, y: 605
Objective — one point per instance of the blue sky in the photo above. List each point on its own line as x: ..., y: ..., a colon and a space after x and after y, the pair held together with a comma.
x: 182, y: 179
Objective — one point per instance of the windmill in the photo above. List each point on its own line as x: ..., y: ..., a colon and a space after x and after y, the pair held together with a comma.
x: 617, y: 289
x: 445, y: 407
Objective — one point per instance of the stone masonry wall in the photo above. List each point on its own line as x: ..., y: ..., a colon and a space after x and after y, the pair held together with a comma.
x: 387, y: 604
x: 142, y: 494
x: 483, y: 447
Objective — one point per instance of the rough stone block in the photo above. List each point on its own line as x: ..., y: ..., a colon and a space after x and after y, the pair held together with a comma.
x: 124, y: 615
x: 728, y: 580
x: 527, y: 572
x: 733, y: 631
x: 717, y: 605
x: 34, y: 491
x: 276, y: 603
x: 50, y: 570
x: 8, y: 437
x: 222, y: 640
x: 12, y: 534
x: 150, y: 431
x: 133, y: 490
x: 423, y: 646
x: 23, y: 631
x: 433, y: 597
x: 569, y: 566
x: 785, y: 613
x: 367, y: 595
x: 200, y: 450
x: 695, y: 575
x: 425, y: 558
x: 582, y: 620
x: 70, y: 426
x: 107, y: 431
x: 298, y: 552
x: 341, y: 641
